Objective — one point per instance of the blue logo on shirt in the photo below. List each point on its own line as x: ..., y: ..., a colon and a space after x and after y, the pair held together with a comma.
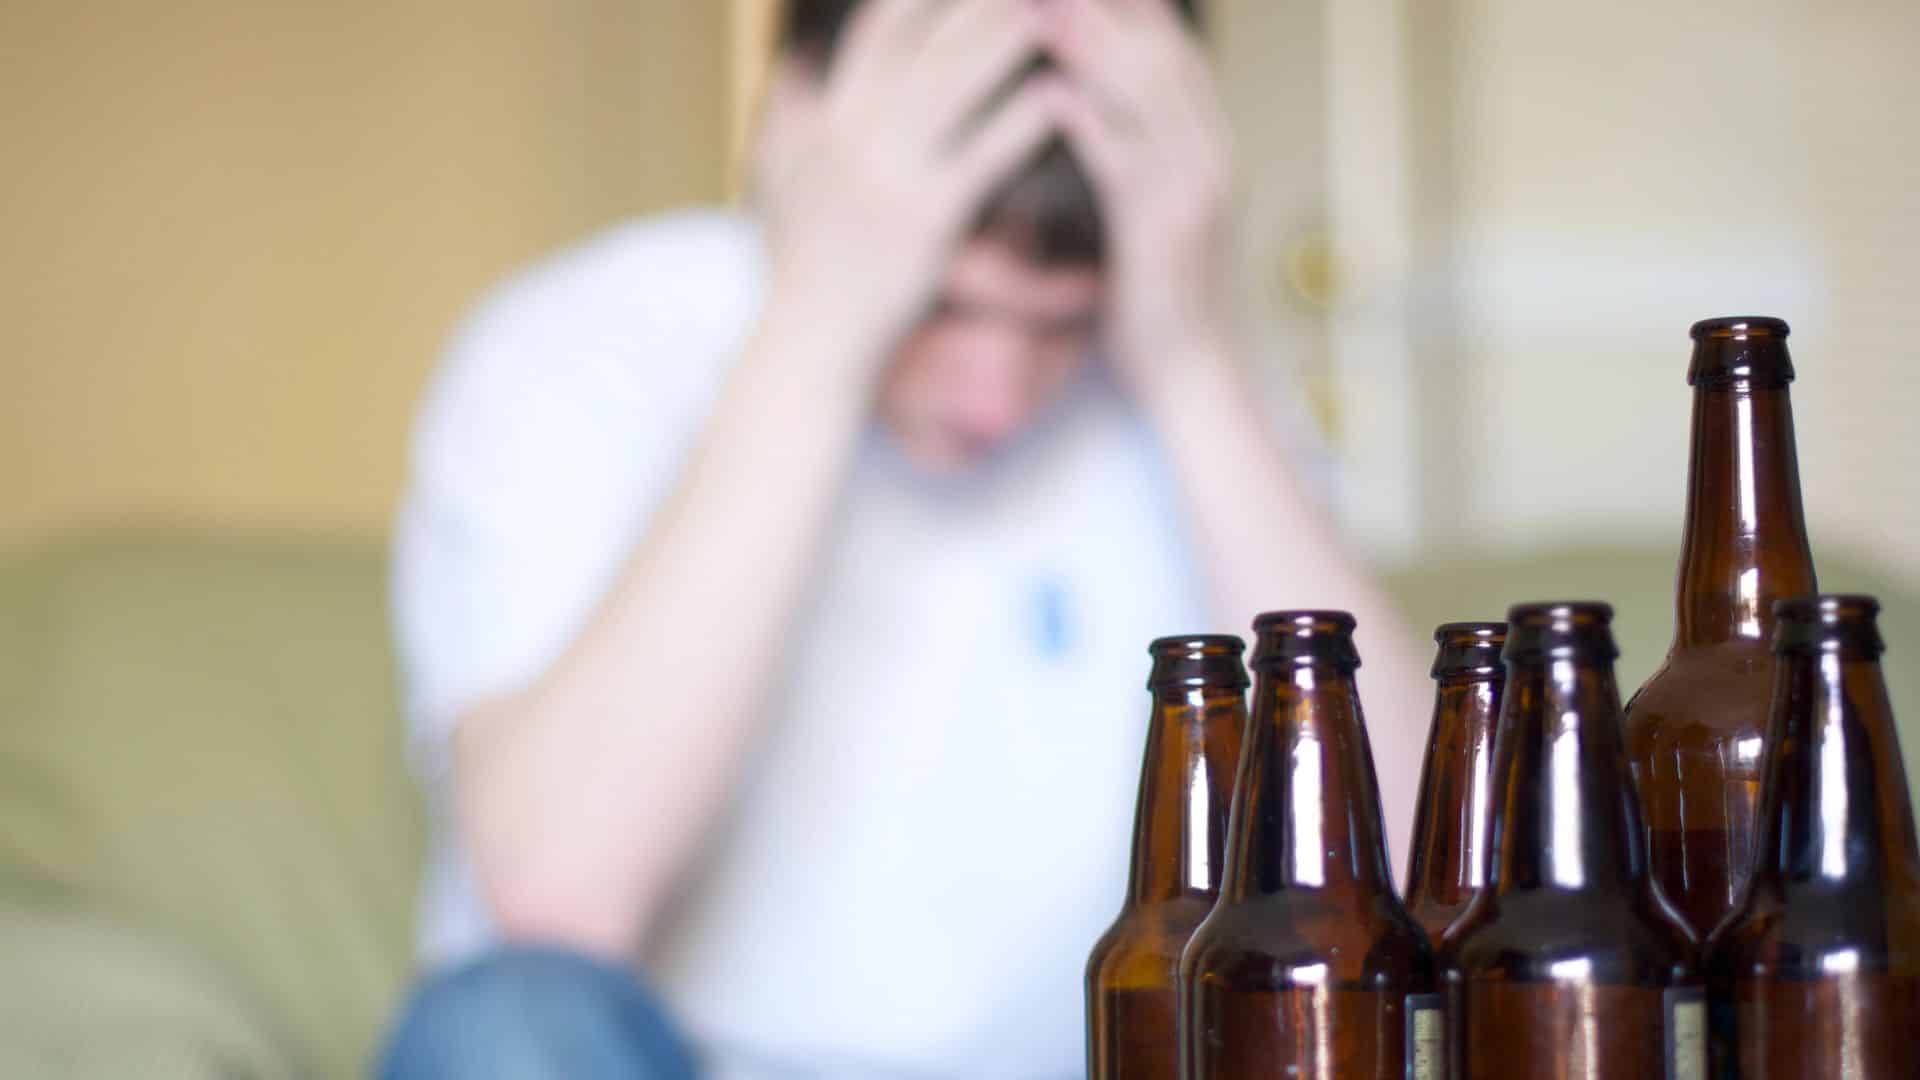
x: 1052, y: 623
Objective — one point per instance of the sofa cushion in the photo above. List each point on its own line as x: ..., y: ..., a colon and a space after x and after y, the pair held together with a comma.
x: 108, y: 1001
x: 200, y: 738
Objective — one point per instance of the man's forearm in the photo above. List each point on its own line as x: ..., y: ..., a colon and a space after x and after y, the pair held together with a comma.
x: 582, y: 797
x: 1263, y: 544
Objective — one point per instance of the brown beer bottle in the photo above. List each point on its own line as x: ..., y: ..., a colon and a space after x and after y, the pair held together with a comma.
x: 1696, y: 729
x: 1309, y: 965
x: 1448, y: 862
x: 1817, y: 971
x: 1569, y: 963
x: 1199, y: 688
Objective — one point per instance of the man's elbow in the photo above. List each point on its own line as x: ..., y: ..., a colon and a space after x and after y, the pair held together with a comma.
x: 546, y: 863
x: 535, y: 909
x: 537, y: 888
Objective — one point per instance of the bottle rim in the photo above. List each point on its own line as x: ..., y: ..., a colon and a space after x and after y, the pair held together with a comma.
x: 1828, y: 623
x: 1828, y: 607
x: 1468, y: 649
x: 1197, y: 643
x: 1476, y: 631
x: 1740, y: 327
x: 1305, y: 636
x: 1737, y: 349
x: 1560, y: 629
x: 1558, y: 614
x: 1305, y: 621
x: 1197, y: 662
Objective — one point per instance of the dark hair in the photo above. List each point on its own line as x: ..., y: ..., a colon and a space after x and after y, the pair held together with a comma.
x: 1048, y: 207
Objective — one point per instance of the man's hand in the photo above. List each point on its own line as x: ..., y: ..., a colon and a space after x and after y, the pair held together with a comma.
x: 1145, y: 120
x: 869, y: 178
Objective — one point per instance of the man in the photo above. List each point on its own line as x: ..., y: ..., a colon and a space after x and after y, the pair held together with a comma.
x: 774, y: 590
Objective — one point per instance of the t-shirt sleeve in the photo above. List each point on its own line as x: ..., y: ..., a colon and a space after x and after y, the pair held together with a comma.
x: 560, y: 418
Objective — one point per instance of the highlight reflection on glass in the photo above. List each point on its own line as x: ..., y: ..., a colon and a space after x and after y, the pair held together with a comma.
x: 1833, y: 781
x: 1747, y: 603
x: 1199, y: 813
x: 1845, y: 963
x: 1308, y: 828
x: 1743, y: 436
x: 1316, y: 976
x: 1580, y: 970
x: 1841, y: 962
x: 1568, y: 866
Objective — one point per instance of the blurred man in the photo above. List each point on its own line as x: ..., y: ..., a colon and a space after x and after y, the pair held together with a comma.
x: 773, y: 588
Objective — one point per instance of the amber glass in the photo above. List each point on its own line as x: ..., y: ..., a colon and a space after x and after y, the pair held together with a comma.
x: 1448, y: 862
x: 1696, y: 730
x: 1199, y: 688
x: 1817, y: 971
x: 1309, y: 965
x: 1569, y: 963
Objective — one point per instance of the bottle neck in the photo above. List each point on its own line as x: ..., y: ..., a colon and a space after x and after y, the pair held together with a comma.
x: 1745, y: 542
x: 1186, y: 787
x: 1836, y: 807
x: 1565, y: 813
x: 1307, y: 809
x: 1448, y: 861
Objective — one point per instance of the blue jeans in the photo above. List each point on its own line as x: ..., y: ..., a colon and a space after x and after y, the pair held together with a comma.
x: 533, y: 1013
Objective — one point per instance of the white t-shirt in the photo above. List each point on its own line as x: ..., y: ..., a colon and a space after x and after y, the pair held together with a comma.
x: 933, y: 827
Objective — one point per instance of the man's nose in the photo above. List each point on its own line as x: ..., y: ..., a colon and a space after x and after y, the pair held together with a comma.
x: 996, y: 397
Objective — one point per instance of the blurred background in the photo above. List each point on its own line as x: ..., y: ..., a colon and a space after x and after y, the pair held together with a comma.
x: 1474, y: 234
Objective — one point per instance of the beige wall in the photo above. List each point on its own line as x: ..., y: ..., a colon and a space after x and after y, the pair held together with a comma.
x: 1527, y: 203
x: 235, y: 234
x: 1594, y: 178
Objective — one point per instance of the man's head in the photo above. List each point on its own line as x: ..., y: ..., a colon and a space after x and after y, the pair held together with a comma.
x: 1016, y: 316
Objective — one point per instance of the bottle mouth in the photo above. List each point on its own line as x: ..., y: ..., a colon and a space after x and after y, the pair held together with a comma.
x: 1560, y: 630
x: 1469, y: 649
x: 1740, y: 348
x: 1198, y: 645
x: 1197, y: 661
x: 1304, y: 623
x: 1469, y: 633
x: 1304, y: 637
x: 1740, y: 328
x: 1841, y: 623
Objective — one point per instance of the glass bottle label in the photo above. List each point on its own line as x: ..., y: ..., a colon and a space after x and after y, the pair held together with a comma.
x: 1686, y: 1008
x: 1426, y: 1037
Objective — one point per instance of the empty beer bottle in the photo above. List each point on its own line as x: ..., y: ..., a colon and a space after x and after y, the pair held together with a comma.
x: 1569, y: 963
x: 1817, y: 971
x: 1309, y: 965
x: 1696, y: 729
x: 1448, y: 862
x: 1199, y: 716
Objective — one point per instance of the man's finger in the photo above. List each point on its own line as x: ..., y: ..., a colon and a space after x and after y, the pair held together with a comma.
x: 1125, y: 58
x: 1007, y: 137
x: 959, y: 22
x: 880, y: 39
x: 787, y: 115
x: 978, y: 49
x: 1090, y: 132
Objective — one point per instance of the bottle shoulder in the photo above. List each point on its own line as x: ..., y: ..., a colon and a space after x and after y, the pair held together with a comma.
x: 1814, y: 930
x: 1704, y: 695
x: 1536, y: 934
x: 1437, y: 916
x: 1149, y: 934
x: 1298, y: 930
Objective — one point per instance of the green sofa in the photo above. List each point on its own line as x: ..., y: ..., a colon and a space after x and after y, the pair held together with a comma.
x: 208, y: 837
x: 201, y: 755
